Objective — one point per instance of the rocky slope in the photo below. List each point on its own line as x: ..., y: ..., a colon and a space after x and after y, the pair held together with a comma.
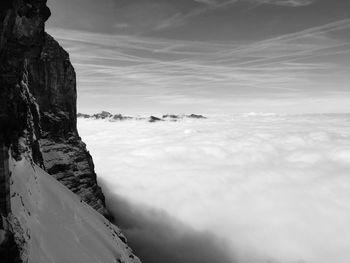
x: 38, y: 131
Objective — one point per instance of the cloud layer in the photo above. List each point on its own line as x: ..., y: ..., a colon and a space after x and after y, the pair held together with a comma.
x: 276, y: 188
x: 157, y: 237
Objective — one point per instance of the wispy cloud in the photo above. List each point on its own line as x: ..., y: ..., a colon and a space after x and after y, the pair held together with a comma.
x: 179, y: 19
x: 207, y: 2
x: 289, y: 64
x: 290, y: 3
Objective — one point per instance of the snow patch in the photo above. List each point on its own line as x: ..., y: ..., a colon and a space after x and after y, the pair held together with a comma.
x: 58, y: 226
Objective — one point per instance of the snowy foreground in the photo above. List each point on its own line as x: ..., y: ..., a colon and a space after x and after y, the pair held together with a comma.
x: 275, y: 188
x: 58, y: 226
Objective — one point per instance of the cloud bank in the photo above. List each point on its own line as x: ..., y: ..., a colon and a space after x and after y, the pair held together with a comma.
x: 157, y: 237
x: 274, y: 188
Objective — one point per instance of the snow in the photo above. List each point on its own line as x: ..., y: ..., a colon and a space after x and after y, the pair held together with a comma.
x: 57, y: 225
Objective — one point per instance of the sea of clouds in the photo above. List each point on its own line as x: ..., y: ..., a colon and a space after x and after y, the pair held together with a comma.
x: 243, y: 188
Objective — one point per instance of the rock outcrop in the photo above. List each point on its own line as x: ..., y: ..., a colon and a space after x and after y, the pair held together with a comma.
x: 154, y: 119
x: 38, y: 125
x: 21, y: 38
x: 52, y: 82
x: 105, y: 115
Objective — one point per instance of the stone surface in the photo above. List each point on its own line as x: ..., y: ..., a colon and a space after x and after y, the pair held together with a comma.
x: 119, y: 117
x: 195, y: 116
x: 154, y: 119
x: 21, y: 37
x: 38, y: 113
x: 38, y: 99
x: 52, y: 82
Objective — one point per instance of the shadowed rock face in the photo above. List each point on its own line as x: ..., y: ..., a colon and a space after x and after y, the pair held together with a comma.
x: 52, y: 81
x: 38, y: 106
x: 21, y: 37
x: 38, y: 125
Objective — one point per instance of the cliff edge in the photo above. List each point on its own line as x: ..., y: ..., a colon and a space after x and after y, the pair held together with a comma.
x: 38, y: 136
x: 52, y: 81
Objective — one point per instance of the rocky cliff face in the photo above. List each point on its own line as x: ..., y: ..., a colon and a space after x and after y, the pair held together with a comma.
x: 52, y: 82
x: 38, y: 113
x: 21, y: 38
x: 36, y: 70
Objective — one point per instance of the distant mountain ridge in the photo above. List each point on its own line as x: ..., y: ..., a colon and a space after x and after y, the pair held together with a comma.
x: 105, y: 115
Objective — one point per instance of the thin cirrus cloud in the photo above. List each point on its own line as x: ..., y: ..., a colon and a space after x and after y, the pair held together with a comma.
x: 291, y: 3
x: 141, y: 16
x: 145, y: 69
x: 179, y: 19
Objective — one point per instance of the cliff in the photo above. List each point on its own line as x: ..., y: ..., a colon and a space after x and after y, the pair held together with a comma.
x: 52, y: 82
x: 38, y: 135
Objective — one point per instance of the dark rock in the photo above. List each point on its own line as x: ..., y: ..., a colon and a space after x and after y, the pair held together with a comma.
x: 37, y: 117
x: 5, y: 199
x: 21, y: 39
x: 9, y: 250
x: 154, y: 119
x: 82, y: 115
x: 171, y: 116
x: 52, y: 81
x: 38, y: 99
x: 103, y: 115
x: 121, y: 117
x: 70, y: 163
x: 195, y: 116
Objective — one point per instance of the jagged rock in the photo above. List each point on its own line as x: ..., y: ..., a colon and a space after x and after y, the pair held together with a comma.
x: 21, y: 38
x: 38, y: 125
x: 82, y: 115
x: 103, y: 115
x: 52, y: 82
x: 71, y: 164
x: 195, y: 116
x: 171, y: 116
x: 9, y: 251
x: 154, y: 119
x: 121, y: 117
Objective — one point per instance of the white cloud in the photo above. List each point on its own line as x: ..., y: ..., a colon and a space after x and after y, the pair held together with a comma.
x: 276, y: 187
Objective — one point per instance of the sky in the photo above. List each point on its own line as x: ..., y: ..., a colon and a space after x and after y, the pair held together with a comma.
x: 207, y: 56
